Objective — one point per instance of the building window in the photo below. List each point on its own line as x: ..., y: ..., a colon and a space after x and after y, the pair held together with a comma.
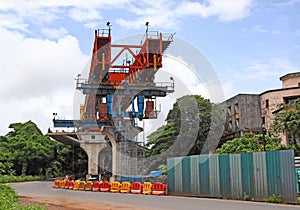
x: 263, y: 119
x: 229, y: 111
x: 237, y: 123
x: 267, y: 103
x: 298, y: 84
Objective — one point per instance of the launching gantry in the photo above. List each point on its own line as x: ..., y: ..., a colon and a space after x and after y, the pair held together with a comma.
x: 116, y: 97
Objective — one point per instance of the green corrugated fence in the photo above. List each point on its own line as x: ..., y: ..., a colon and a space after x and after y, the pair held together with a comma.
x: 255, y: 175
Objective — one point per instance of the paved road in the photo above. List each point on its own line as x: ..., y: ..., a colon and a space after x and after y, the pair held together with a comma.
x: 44, y: 189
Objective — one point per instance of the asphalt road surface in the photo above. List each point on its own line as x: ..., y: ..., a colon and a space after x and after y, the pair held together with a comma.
x: 45, y: 190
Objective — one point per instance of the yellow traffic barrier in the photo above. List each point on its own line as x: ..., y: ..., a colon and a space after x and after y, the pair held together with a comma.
x: 82, y: 185
x: 125, y: 187
x: 115, y: 187
x: 62, y: 184
x: 88, y: 186
x: 147, y: 188
x: 76, y: 185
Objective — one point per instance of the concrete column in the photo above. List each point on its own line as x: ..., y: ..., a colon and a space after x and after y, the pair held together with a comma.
x: 92, y: 143
x: 115, y: 153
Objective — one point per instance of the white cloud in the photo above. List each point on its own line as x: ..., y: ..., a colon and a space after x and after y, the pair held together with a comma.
x: 255, y: 76
x: 20, y: 12
x: 167, y: 14
x: 259, y: 29
x: 37, y: 77
x: 54, y: 33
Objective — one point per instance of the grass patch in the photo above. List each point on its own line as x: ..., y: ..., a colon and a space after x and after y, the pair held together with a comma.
x: 8, y: 178
x: 10, y: 201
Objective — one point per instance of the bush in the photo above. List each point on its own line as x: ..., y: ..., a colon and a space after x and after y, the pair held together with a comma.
x: 8, y: 178
x: 274, y: 199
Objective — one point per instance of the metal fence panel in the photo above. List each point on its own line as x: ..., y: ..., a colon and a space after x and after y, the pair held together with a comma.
x: 204, y: 175
x: 186, y: 175
x: 171, y: 174
x: 273, y: 173
x: 247, y: 174
x: 259, y: 175
x: 235, y: 176
x: 224, y: 170
x: 195, y: 184
x: 178, y: 175
x: 288, y: 176
x: 214, y: 176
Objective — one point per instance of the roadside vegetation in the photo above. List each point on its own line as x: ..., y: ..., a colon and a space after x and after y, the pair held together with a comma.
x: 10, y: 201
x: 26, y: 155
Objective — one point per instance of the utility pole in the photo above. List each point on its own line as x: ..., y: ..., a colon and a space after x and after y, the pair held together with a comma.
x: 264, y: 132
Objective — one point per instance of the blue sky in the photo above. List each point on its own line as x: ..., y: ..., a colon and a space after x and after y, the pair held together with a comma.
x: 44, y: 44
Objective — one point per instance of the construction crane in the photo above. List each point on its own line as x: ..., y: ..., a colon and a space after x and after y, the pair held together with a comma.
x: 119, y: 95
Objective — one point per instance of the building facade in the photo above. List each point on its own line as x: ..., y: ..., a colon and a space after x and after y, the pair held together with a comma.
x: 253, y: 112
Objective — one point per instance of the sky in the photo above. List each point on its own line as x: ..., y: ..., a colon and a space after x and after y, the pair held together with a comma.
x: 45, y: 44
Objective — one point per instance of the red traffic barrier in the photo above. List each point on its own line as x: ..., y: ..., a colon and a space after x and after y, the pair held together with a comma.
x: 67, y: 183
x: 105, y: 187
x: 96, y: 186
x: 71, y: 185
x: 136, y: 188
x: 159, y: 188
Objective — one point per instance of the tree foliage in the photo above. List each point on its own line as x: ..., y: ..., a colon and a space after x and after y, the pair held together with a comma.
x: 288, y: 121
x: 26, y: 151
x: 186, y: 132
x: 249, y: 143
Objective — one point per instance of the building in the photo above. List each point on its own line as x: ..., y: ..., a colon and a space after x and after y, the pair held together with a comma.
x: 242, y: 115
x: 253, y: 112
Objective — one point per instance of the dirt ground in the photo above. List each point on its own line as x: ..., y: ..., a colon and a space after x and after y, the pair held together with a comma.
x: 67, y: 204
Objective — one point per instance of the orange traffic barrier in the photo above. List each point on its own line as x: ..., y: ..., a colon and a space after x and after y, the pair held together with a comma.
x: 82, y: 185
x: 76, y: 185
x: 62, y: 184
x: 88, y: 186
x: 71, y: 185
x: 106, y: 187
x: 115, y: 187
x: 56, y: 183
x: 147, y: 188
x: 125, y: 187
x: 159, y: 189
x: 136, y: 188
x: 96, y: 186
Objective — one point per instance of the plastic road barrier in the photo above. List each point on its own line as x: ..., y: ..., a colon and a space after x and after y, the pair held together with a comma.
x: 115, y: 187
x: 62, y: 184
x: 71, y: 185
x: 56, y: 183
x: 76, y: 185
x: 136, y: 188
x: 88, y: 186
x: 159, y: 188
x: 147, y: 188
x: 105, y: 187
x: 125, y: 187
x: 96, y: 186
x: 82, y: 185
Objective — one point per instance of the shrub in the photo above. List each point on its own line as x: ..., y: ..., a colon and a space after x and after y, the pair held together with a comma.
x: 274, y: 199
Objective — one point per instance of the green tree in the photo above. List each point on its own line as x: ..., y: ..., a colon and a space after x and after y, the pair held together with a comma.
x: 189, y: 123
x: 26, y: 151
x: 249, y: 143
x: 288, y: 121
